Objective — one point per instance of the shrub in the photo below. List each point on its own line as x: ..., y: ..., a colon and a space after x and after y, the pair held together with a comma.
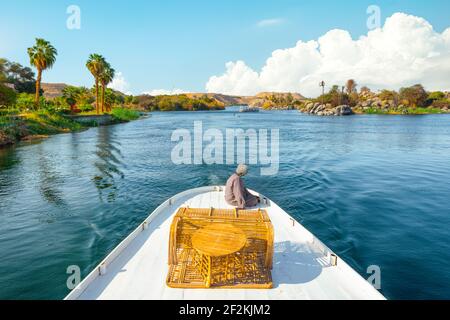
x: 437, y: 95
x: 388, y: 95
x: 25, y: 101
x: 86, y: 108
x: 414, y: 96
x: 7, y: 96
x: 124, y: 114
x: 441, y: 104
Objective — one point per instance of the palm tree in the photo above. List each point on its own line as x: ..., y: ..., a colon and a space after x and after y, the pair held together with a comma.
x: 322, y: 84
x: 96, y: 64
x: 106, y: 78
x: 42, y: 56
x: 351, y: 86
x: 71, y: 95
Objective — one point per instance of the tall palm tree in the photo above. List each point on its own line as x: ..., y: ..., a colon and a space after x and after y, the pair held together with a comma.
x: 106, y: 78
x: 42, y: 57
x: 96, y: 65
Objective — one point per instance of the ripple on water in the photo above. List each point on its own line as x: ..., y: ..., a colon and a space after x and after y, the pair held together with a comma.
x: 374, y: 189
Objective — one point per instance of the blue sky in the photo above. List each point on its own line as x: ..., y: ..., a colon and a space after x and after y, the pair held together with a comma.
x: 180, y: 44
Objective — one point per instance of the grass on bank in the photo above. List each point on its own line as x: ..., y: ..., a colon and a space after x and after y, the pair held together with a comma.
x: 45, y: 123
x: 124, y: 114
x: 406, y: 111
x: 15, y: 126
x: 38, y: 123
x: 119, y: 113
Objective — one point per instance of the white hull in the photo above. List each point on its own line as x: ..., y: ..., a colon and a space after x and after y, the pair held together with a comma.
x: 302, y: 269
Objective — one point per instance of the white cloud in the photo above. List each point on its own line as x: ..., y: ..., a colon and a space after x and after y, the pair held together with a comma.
x: 269, y: 22
x: 405, y: 51
x: 161, y: 92
x: 120, y: 84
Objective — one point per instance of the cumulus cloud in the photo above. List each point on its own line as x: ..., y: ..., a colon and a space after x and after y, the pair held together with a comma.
x: 405, y: 51
x: 120, y: 84
x: 269, y: 22
x: 164, y: 92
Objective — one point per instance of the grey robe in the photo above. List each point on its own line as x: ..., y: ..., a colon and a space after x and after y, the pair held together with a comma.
x: 237, y: 195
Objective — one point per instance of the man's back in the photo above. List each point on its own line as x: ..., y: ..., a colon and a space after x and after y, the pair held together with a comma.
x: 235, y: 191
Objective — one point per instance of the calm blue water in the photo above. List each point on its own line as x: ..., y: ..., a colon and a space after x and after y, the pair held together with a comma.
x: 375, y: 189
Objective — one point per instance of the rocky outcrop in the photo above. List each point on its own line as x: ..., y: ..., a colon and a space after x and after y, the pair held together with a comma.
x: 376, y: 103
x: 327, y: 109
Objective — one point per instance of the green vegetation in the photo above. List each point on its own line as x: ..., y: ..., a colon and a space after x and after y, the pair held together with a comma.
x: 180, y: 102
x: 411, y: 100
x: 21, y: 78
x: 20, y: 117
x: 14, y: 127
x: 95, y: 66
x: 336, y: 97
x: 45, y: 123
x: 71, y: 95
x: 124, y: 114
x: 404, y: 111
x: 7, y: 95
x: 414, y: 96
x: 106, y: 77
x: 43, y: 57
x: 103, y: 74
x: 280, y: 101
x: 414, y: 100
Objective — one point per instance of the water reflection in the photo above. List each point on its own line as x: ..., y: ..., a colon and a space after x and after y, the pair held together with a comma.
x: 49, y: 178
x: 8, y: 159
x: 107, y: 163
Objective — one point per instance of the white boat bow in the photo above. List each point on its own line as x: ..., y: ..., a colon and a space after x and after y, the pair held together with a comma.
x: 303, y: 267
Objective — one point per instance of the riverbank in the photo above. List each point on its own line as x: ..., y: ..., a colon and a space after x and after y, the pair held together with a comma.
x: 413, y: 100
x: 346, y: 110
x: 41, y: 124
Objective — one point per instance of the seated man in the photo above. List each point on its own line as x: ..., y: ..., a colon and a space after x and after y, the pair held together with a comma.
x: 235, y: 192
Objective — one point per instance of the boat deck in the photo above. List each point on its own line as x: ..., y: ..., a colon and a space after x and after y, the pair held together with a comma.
x: 137, y: 269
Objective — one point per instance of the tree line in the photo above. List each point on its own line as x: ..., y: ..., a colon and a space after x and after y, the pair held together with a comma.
x: 15, y: 78
x: 414, y: 96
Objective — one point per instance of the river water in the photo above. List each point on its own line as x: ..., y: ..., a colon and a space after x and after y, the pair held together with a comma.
x: 375, y: 189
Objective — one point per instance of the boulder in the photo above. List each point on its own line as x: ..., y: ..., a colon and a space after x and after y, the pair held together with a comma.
x: 343, y: 110
x: 317, y: 108
x: 328, y: 110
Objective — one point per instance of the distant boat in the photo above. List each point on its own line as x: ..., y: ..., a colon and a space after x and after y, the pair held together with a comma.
x: 248, y: 109
x: 301, y: 266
